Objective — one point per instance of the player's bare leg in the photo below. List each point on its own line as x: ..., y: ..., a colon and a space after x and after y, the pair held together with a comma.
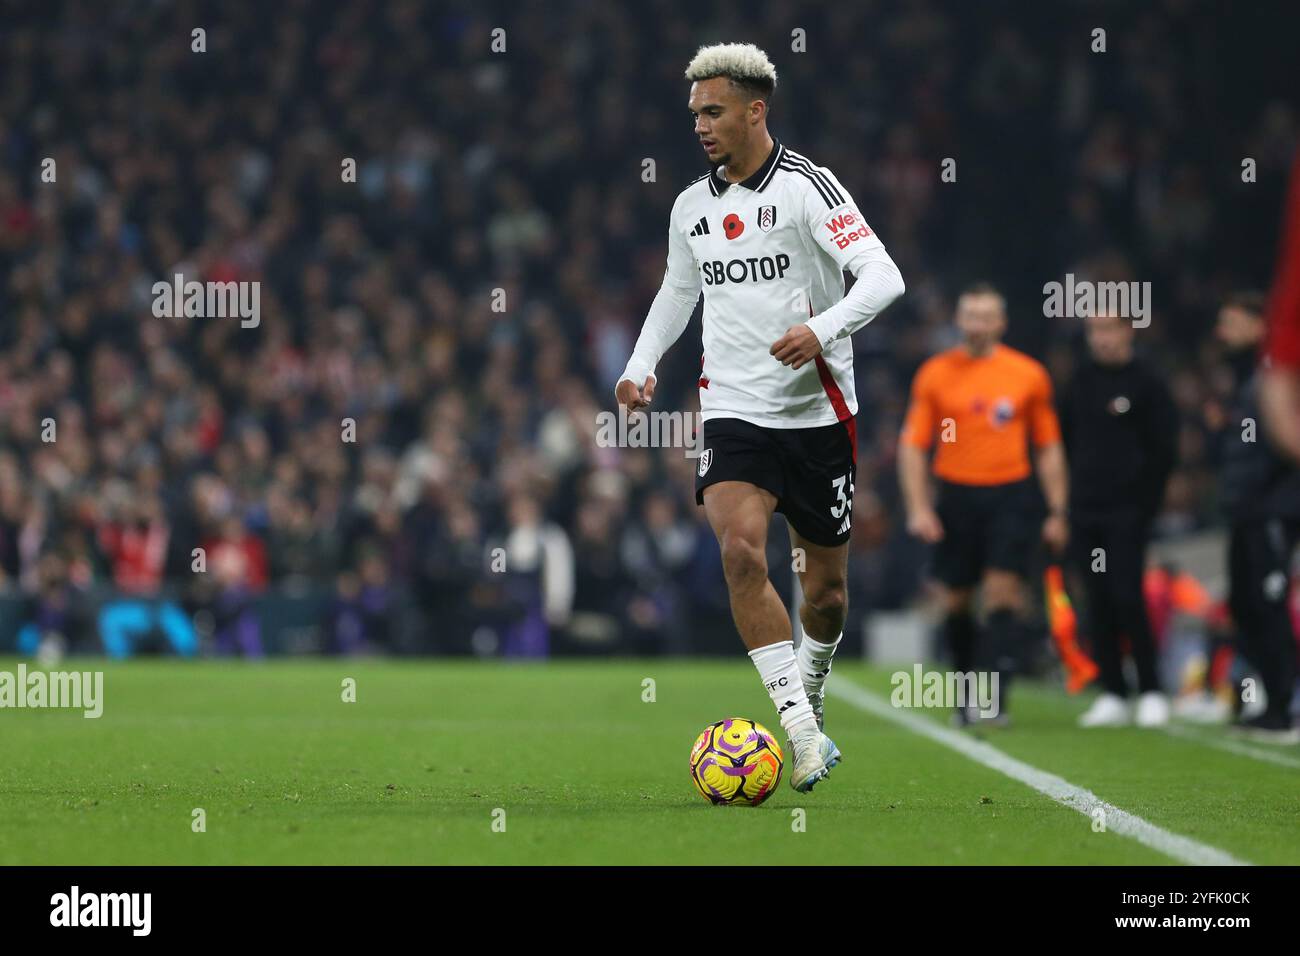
x: 824, y: 582
x: 739, y: 514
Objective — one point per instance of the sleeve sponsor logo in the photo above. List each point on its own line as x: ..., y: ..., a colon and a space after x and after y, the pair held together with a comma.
x: 847, y: 227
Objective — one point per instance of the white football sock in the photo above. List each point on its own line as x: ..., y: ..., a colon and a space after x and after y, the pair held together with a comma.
x: 776, y: 666
x: 814, y: 659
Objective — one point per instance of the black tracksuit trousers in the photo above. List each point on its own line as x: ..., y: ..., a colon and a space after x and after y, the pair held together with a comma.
x: 1259, y: 559
x: 1115, y: 607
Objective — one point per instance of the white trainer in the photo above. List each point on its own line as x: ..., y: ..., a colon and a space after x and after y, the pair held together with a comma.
x: 1202, y: 708
x: 1152, y: 709
x: 1108, y: 710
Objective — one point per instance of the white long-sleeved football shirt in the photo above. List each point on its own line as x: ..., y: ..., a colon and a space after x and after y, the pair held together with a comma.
x: 769, y: 253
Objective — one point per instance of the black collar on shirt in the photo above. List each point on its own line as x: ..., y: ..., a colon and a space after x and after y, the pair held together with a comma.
x: 718, y: 183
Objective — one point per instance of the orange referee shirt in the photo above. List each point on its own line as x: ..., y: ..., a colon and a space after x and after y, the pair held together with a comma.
x: 984, y: 411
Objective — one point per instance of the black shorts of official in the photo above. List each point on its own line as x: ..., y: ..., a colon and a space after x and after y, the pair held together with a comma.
x: 985, y: 527
x: 811, y: 471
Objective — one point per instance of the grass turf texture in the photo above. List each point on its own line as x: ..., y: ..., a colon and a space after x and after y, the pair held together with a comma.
x: 585, y: 770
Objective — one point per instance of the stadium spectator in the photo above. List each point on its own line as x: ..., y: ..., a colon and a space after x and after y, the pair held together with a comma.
x: 362, y: 616
x: 535, y: 560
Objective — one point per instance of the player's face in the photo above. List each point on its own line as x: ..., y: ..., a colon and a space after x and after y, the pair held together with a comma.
x: 1237, y: 328
x: 1110, y: 339
x: 982, y: 320
x: 721, y: 119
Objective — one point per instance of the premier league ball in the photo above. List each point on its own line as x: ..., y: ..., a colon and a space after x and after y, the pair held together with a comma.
x: 736, y: 762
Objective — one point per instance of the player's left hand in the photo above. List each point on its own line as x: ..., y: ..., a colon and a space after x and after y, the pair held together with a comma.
x: 797, y: 347
x: 1056, y: 533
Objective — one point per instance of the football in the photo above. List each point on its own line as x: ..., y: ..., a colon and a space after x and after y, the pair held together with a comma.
x: 736, y: 762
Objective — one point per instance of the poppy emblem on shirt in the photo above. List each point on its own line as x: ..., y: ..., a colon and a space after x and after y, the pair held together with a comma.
x: 732, y: 226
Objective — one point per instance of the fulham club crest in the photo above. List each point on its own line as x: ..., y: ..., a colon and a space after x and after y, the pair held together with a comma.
x: 766, y: 218
x: 706, y: 459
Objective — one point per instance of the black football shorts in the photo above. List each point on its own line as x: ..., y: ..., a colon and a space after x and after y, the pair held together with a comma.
x: 985, y: 526
x: 811, y: 471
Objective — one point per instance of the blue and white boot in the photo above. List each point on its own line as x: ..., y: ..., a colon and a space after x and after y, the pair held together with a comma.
x: 830, y: 753
x: 814, y: 755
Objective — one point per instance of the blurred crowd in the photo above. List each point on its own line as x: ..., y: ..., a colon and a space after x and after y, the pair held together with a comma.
x: 469, y: 300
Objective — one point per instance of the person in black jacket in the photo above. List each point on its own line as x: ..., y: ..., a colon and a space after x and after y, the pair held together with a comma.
x: 1260, y: 491
x: 1121, y: 431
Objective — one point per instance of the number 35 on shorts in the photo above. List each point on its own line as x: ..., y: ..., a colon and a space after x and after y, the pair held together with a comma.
x: 843, y: 502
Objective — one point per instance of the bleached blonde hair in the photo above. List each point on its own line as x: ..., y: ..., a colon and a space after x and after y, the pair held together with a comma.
x: 742, y: 63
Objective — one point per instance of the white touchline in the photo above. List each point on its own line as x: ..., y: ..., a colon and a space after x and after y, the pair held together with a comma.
x: 1232, y: 747
x: 1181, y: 848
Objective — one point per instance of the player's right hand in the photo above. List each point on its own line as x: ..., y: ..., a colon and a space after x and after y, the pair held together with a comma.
x: 926, y: 526
x: 633, y: 396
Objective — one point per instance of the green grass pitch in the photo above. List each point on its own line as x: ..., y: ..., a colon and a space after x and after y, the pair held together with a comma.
x: 585, y: 771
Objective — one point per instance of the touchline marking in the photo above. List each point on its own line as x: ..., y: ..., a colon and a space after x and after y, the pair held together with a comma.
x: 1232, y: 746
x: 1181, y: 848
